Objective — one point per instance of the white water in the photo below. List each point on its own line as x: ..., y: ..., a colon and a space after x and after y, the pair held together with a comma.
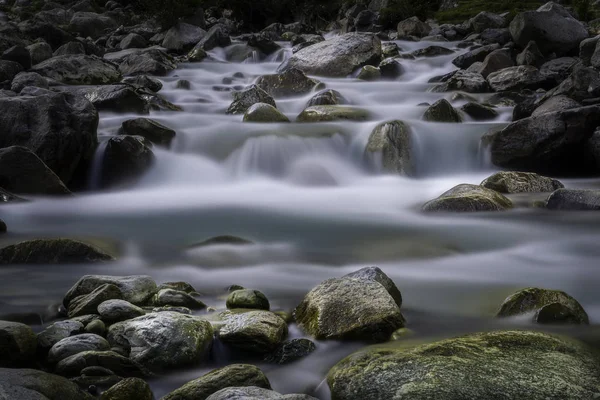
x: 316, y: 208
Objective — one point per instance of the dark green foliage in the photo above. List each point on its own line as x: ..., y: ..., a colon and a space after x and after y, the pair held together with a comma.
x: 167, y: 12
x: 469, y: 8
x: 399, y: 10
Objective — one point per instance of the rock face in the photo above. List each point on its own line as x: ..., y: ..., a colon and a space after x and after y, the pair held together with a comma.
x: 235, y: 375
x: 442, y: 111
x: 78, y: 69
x: 468, y: 198
x: 355, y: 307
x: 22, y: 172
x: 292, y: 82
x: 60, y: 128
x: 393, y: 141
x: 18, y: 344
x: 165, y: 340
x: 548, y: 143
x: 244, y: 99
x: 540, y: 303
x: 76, y: 344
x: 126, y: 158
x: 568, y: 199
x: 254, y: 331
x: 149, y: 129
x: 521, y: 182
x: 136, y: 289
x: 492, y: 363
x: 51, y: 251
x: 337, y: 57
x: 32, y: 384
x: 332, y: 113
x: 551, y: 27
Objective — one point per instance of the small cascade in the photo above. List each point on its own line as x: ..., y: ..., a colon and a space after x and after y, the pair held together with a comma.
x: 95, y: 175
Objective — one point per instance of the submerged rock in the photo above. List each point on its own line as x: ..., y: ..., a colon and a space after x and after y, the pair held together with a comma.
x: 126, y: 159
x: 442, y: 111
x: 468, y: 198
x: 254, y: 331
x: 51, y: 251
x: 495, y: 362
x: 292, y: 82
x: 393, y: 141
x: 262, y: 112
x: 332, y: 113
x: 479, y: 112
x: 244, y: 99
x: 18, y: 345
x: 369, y: 73
x: 546, y: 306
x: 521, y: 182
x: 26, y: 384
x: 571, y: 199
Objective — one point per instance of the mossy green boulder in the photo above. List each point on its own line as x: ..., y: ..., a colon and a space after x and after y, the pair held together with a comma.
x: 442, y: 111
x: 392, y: 141
x: 521, y: 182
x: 248, y: 298
x: 504, y: 365
x: 262, y: 112
x: 468, y: 198
x: 128, y: 389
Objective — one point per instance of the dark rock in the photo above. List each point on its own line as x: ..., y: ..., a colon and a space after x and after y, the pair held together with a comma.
x: 148, y: 61
x: 468, y: 198
x: 531, y: 55
x: 26, y: 384
x: 254, y: 331
x: 136, y: 289
x: 442, y: 111
x: 517, y: 78
x: 559, y: 69
x: 464, y: 61
x: 76, y: 344
x: 217, y: 36
x: 290, y: 351
x: 254, y: 393
x: 292, y: 82
x: 8, y: 70
x: 183, y: 84
x: 120, y: 98
x: 18, y: 54
x: 587, y: 48
x: 117, y: 310
x: 133, y: 41
x: 56, y: 332
x: 326, y: 97
x: 413, y: 27
x: 149, y: 129
x: 261, y: 42
x: 78, y: 70
x: 18, y: 345
x: 70, y: 48
x: 521, y: 182
x: 176, y: 298
x: 583, y: 83
x: 485, y: 20
x: 24, y: 79
x: 393, y: 142
x: 244, y: 99
x: 554, y: 104
x: 91, y: 24
x: 499, y: 36
x: 432, y: 51
x: 182, y: 37
x: 128, y: 389
x: 479, y: 112
x: 570, y: 199
x: 496, y: 61
x: 391, y: 68
x: 39, y: 52
x: 49, y: 32
x: 120, y: 365
x: 126, y: 159
x: 333, y: 113
x: 247, y: 298
x: 469, y: 82
x: 88, y: 303
x: 265, y: 113
x: 144, y: 81
x: 51, y: 251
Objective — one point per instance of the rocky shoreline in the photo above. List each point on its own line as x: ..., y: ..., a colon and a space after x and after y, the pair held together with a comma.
x: 67, y: 62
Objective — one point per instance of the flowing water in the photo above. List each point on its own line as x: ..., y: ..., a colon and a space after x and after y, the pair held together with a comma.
x: 314, y: 207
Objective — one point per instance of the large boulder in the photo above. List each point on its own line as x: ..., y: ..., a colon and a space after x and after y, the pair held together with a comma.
x: 392, y: 141
x: 468, y: 198
x: 517, y: 78
x: 555, y: 104
x: 18, y: 344
x: 8, y: 70
x: 521, y: 182
x: 336, y: 57
x: 496, y: 61
x: 151, y: 61
x: 149, y: 129
x: 510, y: 364
x: 292, y: 82
x: 136, y: 289
x: 162, y: 341
x: 548, y: 143
x: 40, y: 51
x: 551, y: 27
x: 570, y: 199
x: 254, y: 331
x: 182, y: 37
x: 581, y: 84
x: 31, y: 384
x: 413, y: 27
x: 235, y: 375
x: 91, y: 24
x: 464, y: 61
x: 217, y: 36
x: 22, y: 172
x: 126, y: 159
x: 244, y: 99
x: 51, y: 251
x: 24, y: 79
x: 354, y: 307
x: 119, y: 98
x: 78, y: 69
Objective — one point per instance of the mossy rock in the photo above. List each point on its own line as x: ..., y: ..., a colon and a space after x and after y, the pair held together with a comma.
x: 468, y: 198
x: 504, y: 365
x: 328, y: 97
x: 521, y: 182
x: 479, y: 112
x: 292, y: 82
x: 31, y: 384
x: 442, y: 111
x: 262, y: 112
x: 547, y: 306
x: 332, y: 113
x: 18, y: 344
x: 392, y: 140
x: 252, y: 331
x: 369, y: 73
x: 248, y: 298
x: 128, y: 389
x: 52, y: 251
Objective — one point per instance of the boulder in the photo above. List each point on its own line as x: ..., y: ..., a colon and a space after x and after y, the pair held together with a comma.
x: 8, y: 70
x: 572, y: 199
x: 120, y: 98
x: 495, y: 61
x: 551, y: 27
x: 355, y: 307
x: 531, y: 55
x: 292, y: 82
x: 581, y: 84
x: 18, y: 54
x: 118, y: 310
x: 88, y: 303
x: 47, y: 31
x: 118, y: 364
x: 262, y: 42
x: 56, y: 332
x: 413, y: 27
x: 162, y: 341
x: 336, y: 57
x: 559, y: 69
x: 76, y: 344
x: 369, y: 73
x: 127, y: 389
x: 182, y: 37
x: 479, y: 54
x: 391, y: 68
x: 125, y: 160
x: 537, y: 303
x: 328, y: 97
x: 145, y: 82
x: 442, y: 111
x: 176, y: 298
x: 149, y: 129
x: 521, y: 182
x: 18, y: 345
x: 517, y: 78
x: 91, y: 24
x: 392, y: 141
x: 150, y: 61
x: 499, y: 36
x: 333, y: 113
x: 255, y: 393
x: 136, y: 289
x: 51, y: 251
x: 235, y: 375
x: 469, y: 82
x: 133, y: 41
x: 31, y: 384
x: 97, y: 327
x: 247, y: 298
x: 587, y: 48
x: 244, y: 99
x: 40, y: 51
x: 262, y: 112
x: 217, y: 36
x: 468, y: 198
x: 479, y: 112
x: 555, y: 104
x: 548, y: 143
x: 22, y: 172
x: 24, y: 79
x: 254, y: 331
x: 517, y: 364
x: 78, y: 69
x: 70, y: 48
x: 432, y: 51
x: 290, y: 351
x: 485, y: 20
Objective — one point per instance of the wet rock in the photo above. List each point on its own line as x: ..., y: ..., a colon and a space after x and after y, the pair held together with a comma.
x: 464, y: 61
x: 56, y: 332
x: 413, y: 27
x: 136, y: 289
x: 120, y: 365
x: 18, y: 345
x: 76, y: 344
x: 88, y: 303
x: 126, y: 159
x: 247, y: 298
x: 133, y: 41
x: 555, y: 104
x: 22, y: 172
x: 517, y: 78
x: 377, y: 275
x: 70, y: 48
x: 23, y: 79
x: 97, y: 327
x: 292, y: 82
x: 581, y: 84
x: 262, y: 112
x: 117, y: 310
x: 369, y: 73
x: 127, y: 389
x: 183, y: 84
x: 217, y: 36
x: 244, y: 99
x: 468, y: 198
x: 531, y: 55
x: 235, y: 375
x: 571, y: 199
x: 51, y: 251
x: 392, y: 140
x: 521, y: 182
x: 495, y: 61
x: 161, y: 341
x: 391, y: 68
x: 255, y: 393
x: 551, y: 27
x: 493, y: 362
x: 144, y: 81
x: 290, y: 351
x: 548, y: 143
x: 91, y: 24
x: 464, y: 81
x: 149, y: 129
x: 389, y: 49
x: 328, y: 97
x: 25, y: 384
x: 332, y: 113
x: 354, y: 307
x: 118, y: 98
x: 432, y: 51
x: 336, y: 57
x: 262, y: 42
x: 150, y: 61
x: 442, y: 111
x: 175, y: 298
x: 559, y: 69
x: 182, y: 37
x: 485, y: 20
x: 254, y: 331
x: 479, y: 112
x: 8, y: 70
x: 179, y: 286
x: 18, y: 54
x: 78, y: 69
x: 535, y: 301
